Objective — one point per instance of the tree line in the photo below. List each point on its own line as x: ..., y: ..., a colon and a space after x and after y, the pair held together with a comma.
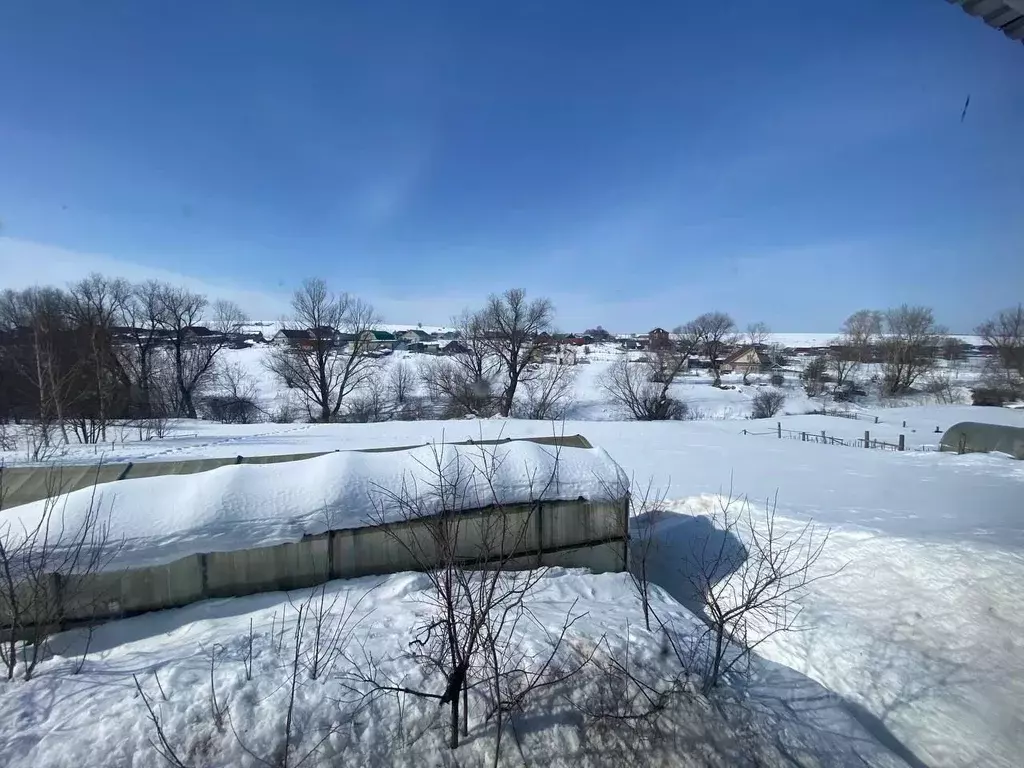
x: 73, y: 360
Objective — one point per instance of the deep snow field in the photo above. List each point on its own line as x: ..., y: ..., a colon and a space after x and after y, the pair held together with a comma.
x: 911, y: 653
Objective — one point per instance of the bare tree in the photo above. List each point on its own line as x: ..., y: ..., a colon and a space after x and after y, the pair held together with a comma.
x: 468, y: 643
x: 327, y: 367
x: 767, y: 403
x: 862, y: 330
x: 43, y: 356
x: 713, y: 333
x: 909, y: 346
x: 511, y: 325
x: 1005, y: 334
x: 181, y: 310
x: 141, y: 315
x: 94, y: 304
x: 630, y: 385
x: 814, y: 375
x: 758, y: 334
x: 855, y: 346
x: 401, y: 381
x: 478, y: 358
x: 194, y: 352
x: 549, y: 393
x: 748, y: 574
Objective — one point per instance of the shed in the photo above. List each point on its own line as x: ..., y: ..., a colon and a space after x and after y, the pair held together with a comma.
x: 976, y: 437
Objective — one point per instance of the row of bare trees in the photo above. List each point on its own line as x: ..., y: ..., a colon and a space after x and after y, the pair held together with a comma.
x: 496, y: 369
x: 73, y: 360
x: 1004, y: 332
x: 908, y: 344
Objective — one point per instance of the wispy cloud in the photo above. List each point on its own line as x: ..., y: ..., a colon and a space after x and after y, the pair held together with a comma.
x: 24, y: 263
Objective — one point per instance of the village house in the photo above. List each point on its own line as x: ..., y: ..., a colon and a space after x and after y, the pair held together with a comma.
x: 378, y: 340
x: 747, y: 359
x: 415, y: 335
x: 658, y: 338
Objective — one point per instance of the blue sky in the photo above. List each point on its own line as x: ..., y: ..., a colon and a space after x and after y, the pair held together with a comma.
x: 637, y: 162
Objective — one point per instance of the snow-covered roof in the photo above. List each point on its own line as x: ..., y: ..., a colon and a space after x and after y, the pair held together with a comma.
x: 161, y: 519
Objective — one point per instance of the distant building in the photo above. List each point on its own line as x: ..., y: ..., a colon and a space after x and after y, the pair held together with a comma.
x: 378, y: 340
x: 454, y: 348
x: 292, y: 337
x: 746, y: 360
x: 658, y: 338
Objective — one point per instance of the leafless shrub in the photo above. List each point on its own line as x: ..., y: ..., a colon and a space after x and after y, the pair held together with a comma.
x: 549, y: 394
x: 237, y: 400
x: 8, y: 441
x: 629, y: 385
x: 747, y: 573
x: 320, y: 633
x: 45, y: 567
x: 286, y: 413
x: 767, y: 403
x: 943, y: 387
x: 469, y: 643
x: 42, y: 445
x: 458, y: 388
x: 372, y: 402
x: 645, y: 511
x: 401, y: 382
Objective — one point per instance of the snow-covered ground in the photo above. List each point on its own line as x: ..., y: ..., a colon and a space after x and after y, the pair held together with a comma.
x: 916, y: 644
x: 98, y: 717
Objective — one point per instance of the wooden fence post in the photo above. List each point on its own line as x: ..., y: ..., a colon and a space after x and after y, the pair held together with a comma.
x: 803, y: 437
x: 904, y: 423
x: 778, y: 425
x: 902, y: 444
x: 823, y: 438
x: 876, y: 419
x: 867, y: 439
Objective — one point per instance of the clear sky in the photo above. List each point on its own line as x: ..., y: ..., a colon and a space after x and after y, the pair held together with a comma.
x: 639, y: 163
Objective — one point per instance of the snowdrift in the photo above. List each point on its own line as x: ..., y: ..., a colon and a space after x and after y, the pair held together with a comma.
x: 156, y: 520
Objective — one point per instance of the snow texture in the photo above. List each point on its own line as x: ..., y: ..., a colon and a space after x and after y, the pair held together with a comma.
x: 161, y: 519
x: 96, y: 717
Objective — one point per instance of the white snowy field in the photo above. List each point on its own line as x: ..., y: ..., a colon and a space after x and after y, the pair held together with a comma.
x: 916, y: 646
x: 919, y: 636
x: 97, y: 716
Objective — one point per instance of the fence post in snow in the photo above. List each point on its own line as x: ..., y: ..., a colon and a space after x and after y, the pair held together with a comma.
x: 778, y: 426
x: 803, y: 437
x: 823, y: 438
x: 867, y: 439
x: 902, y: 444
x: 904, y: 423
x: 876, y: 419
